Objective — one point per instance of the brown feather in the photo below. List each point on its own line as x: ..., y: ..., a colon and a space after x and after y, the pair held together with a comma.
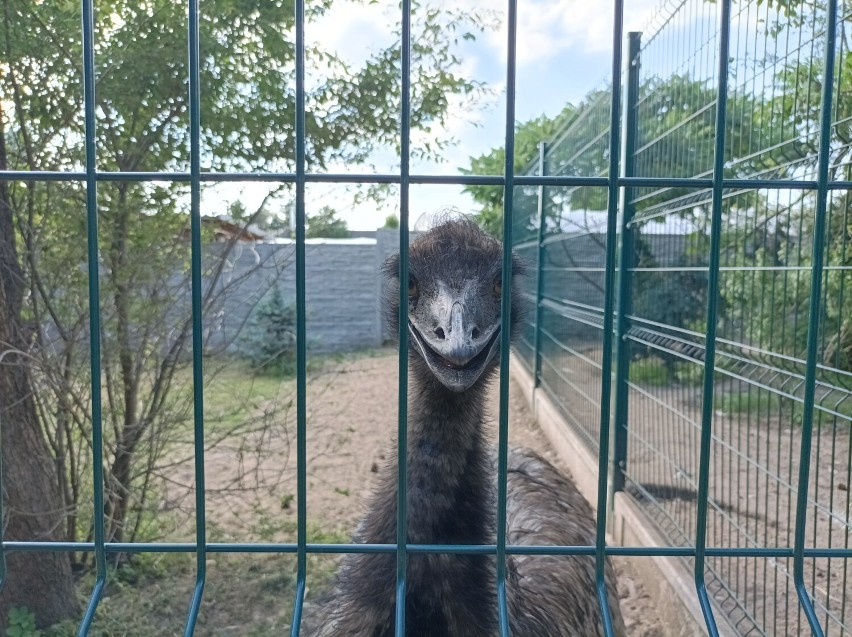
x: 451, y: 494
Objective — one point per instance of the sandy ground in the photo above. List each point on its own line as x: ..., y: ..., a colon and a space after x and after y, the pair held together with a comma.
x: 754, y: 464
x: 352, y: 414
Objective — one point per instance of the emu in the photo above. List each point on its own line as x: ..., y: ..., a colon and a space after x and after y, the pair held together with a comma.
x: 454, y: 292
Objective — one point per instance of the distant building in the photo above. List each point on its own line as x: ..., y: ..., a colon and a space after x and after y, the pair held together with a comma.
x: 226, y: 229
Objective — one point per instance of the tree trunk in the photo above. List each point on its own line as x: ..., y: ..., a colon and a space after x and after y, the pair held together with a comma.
x: 131, y: 429
x: 40, y: 581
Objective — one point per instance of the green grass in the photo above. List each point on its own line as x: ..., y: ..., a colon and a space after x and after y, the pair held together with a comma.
x: 235, y: 395
x: 763, y: 404
x: 246, y: 595
x: 649, y: 371
x: 691, y: 374
x: 754, y: 402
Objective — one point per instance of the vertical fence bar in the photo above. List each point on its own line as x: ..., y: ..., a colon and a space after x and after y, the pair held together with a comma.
x: 823, y: 160
x: 539, y: 263
x: 626, y: 261
x: 197, y: 333
x: 402, y: 434
x: 505, y: 317
x: 301, y: 332
x: 609, y: 280
x: 712, y: 316
x: 94, y: 313
x: 2, y: 512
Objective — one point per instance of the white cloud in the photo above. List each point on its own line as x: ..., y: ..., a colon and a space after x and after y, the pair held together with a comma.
x: 353, y: 30
x: 549, y: 28
x: 546, y: 28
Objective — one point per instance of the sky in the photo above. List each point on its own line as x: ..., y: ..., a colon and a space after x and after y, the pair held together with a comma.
x: 564, y: 50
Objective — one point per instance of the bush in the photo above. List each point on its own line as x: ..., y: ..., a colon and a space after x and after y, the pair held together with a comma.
x: 22, y: 624
x: 270, y: 344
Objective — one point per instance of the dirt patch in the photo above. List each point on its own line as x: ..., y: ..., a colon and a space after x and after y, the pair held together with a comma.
x: 754, y: 464
x: 352, y: 416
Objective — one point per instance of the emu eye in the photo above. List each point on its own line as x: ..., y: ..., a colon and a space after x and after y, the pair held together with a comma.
x: 498, y: 285
x: 413, y: 289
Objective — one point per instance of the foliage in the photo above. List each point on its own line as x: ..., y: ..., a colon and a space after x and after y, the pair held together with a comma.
x: 775, y: 240
x: 771, y: 294
x: 528, y: 136
x: 676, y: 298
x: 391, y: 222
x: 754, y: 402
x: 766, y: 242
x: 672, y: 109
x: 270, y: 342
x: 21, y: 623
x: 325, y: 224
x: 247, y: 82
x: 247, y: 123
x: 649, y: 371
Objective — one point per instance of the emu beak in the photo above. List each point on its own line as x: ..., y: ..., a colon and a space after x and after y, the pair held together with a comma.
x: 456, y: 349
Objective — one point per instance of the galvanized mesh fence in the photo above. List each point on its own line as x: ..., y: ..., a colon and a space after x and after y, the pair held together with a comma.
x: 690, y: 233
x: 733, y: 372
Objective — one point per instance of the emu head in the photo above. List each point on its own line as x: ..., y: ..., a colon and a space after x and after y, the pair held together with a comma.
x: 454, y: 297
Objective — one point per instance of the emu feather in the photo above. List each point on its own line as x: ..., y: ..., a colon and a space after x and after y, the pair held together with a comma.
x: 454, y: 311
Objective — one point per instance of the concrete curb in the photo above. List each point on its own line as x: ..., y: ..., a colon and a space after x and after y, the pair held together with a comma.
x: 667, y: 579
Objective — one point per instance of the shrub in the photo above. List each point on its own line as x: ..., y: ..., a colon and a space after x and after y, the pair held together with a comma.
x: 270, y: 343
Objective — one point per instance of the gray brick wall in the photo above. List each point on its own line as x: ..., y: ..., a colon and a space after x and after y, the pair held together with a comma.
x: 344, y: 289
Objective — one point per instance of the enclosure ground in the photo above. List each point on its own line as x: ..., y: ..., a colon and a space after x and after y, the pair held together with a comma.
x: 352, y: 419
x: 251, y: 482
x: 753, y: 468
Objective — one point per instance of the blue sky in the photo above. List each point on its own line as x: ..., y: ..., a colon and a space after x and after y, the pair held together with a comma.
x: 564, y: 50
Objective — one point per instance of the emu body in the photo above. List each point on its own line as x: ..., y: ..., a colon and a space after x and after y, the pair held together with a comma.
x: 454, y: 296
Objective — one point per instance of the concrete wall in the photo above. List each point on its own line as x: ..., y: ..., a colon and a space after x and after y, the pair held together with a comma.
x: 574, y: 271
x: 344, y: 290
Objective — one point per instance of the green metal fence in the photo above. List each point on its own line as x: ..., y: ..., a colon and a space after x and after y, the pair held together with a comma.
x: 719, y: 194
x: 732, y: 400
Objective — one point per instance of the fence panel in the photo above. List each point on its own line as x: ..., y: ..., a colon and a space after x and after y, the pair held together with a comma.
x: 755, y: 237
x: 570, y: 279
x: 769, y: 211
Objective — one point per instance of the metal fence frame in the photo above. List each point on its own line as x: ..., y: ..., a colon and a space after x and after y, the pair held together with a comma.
x: 578, y: 138
x: 613, y: 185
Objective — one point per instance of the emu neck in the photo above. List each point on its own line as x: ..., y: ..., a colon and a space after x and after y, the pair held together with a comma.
x: 449, y: 490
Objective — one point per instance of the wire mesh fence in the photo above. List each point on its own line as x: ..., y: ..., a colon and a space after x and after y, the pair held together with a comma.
x: 779, y: 392
x: 727, y: 316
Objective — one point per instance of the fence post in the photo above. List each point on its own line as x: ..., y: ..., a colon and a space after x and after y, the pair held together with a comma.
x: 539, y: 276
x: 626, y: 260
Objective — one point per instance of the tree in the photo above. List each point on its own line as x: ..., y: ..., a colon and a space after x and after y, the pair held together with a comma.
x: 270, y: 344
x: 777, y: 239
x: 673, y: 108
x: 765, y: 136
x: 32, y: 507
x: 247, y: 76
x: 325, y: 224
x: 527, y: 138
x: 391, y: 222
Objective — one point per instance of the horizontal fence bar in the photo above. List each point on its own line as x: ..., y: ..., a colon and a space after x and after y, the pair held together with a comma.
x: 474, y: 549
x: 424, y: 179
